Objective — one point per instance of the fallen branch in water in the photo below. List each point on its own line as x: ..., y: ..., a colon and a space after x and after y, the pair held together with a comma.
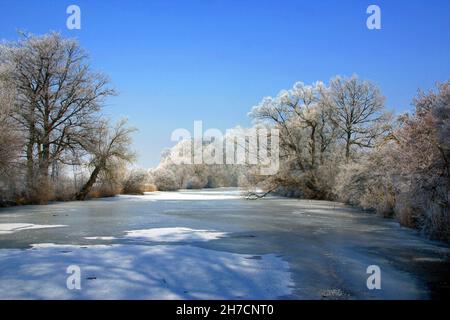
x: 256, y: 196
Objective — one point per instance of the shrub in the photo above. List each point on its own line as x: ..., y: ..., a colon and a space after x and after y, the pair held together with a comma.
x: 164, y: 180
x: 135, y: 182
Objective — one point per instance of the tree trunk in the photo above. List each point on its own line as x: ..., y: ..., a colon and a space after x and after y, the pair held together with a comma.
x: 83, y: 193
x: 30, y: 169
x: 30, y: 160
x: 313, y: 146
x: 347, y: 146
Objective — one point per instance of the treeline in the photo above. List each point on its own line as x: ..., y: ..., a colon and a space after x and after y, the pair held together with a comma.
x: 54, y: 142
x: 338, y: 142
x: 173, y: 173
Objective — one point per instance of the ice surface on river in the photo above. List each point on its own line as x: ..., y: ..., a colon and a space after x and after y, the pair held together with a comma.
x: 174, y: 234
x: 7, y: 228
x: 141, y: 272
x: 327, y: 246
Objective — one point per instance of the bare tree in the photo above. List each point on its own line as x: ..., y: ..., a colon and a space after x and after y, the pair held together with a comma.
x: 423, y: 152
x: 11, y: 141
x: 57, y: 97
x: 408, y: 173
x: 306, y: 134
x: 357, y: 110
x: 108, y: 146
x: 295, y: 113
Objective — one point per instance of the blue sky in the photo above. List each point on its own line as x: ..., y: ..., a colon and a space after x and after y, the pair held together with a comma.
x: 174, y: 62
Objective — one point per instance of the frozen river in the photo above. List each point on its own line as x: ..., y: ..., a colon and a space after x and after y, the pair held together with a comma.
x: 213, y: 244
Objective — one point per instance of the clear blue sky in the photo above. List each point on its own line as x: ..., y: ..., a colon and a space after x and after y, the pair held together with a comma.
x: 174, y: 62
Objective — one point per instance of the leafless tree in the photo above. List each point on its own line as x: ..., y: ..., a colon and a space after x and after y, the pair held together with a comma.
x: 10, y: 139
x: 57, y: 97
x: 307, y: 135
x: 107, y: 147
x: 357, y: 110
x: 408, y: 173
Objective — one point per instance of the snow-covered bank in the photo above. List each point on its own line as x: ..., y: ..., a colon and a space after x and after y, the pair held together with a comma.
x: 203, y: 194
x: 141, y: 272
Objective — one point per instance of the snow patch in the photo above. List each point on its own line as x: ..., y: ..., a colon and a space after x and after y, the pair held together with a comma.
x: 7, y: 228
x: 428, y: 259
x: 100, y: 238
x: 174, y: 234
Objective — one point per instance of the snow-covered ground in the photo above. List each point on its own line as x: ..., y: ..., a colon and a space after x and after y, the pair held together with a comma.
x: 197, y: 244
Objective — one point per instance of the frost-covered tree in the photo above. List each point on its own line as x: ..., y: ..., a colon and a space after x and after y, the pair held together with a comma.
x: 10, y: 137
x: 164, y: 179
x: 57, y: 96
x: 370, y: 181
x: 307, y: 138
x: 213, y: 171
x: 108, y: 148
x: 295, y: 113
x: 424, y: 162
x: 135, y: 182
x: 408, y: 173
x: 357, y: 110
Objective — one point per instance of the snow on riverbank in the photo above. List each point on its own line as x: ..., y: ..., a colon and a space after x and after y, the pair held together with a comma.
x: 184, y: 195
x: 141, y: 272
x: 7, y: 228
x: 203, y: 194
